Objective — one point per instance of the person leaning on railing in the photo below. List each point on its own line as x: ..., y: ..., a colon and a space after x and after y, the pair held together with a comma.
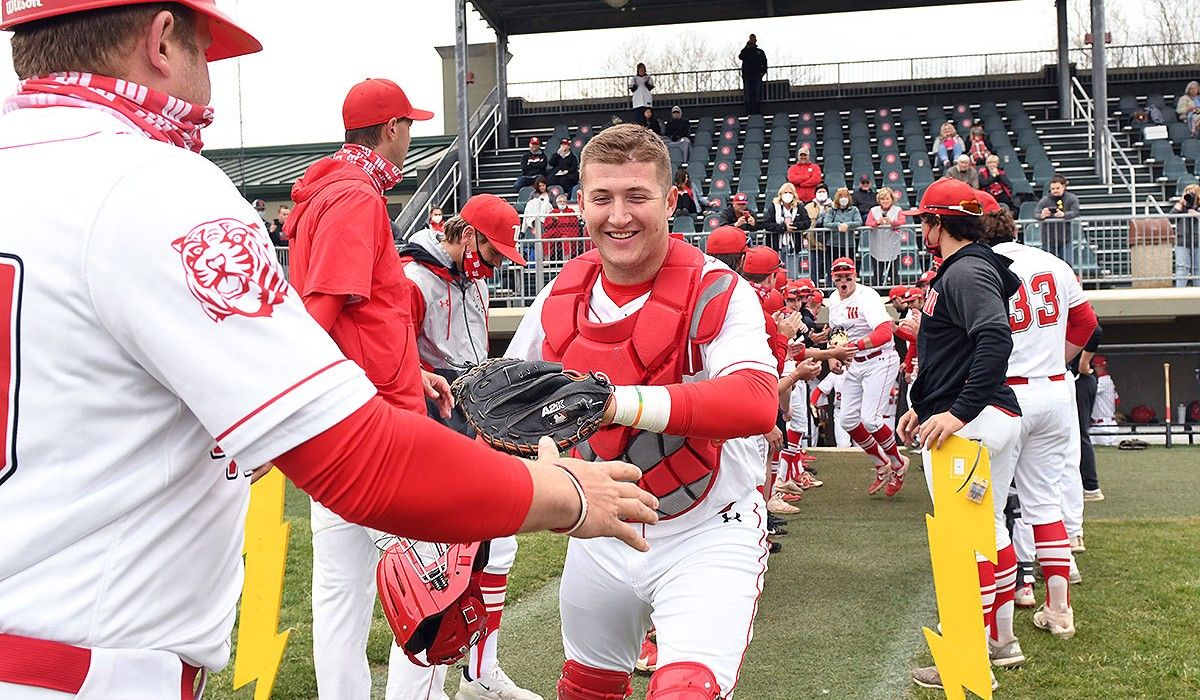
x: 1187, y: 237
x: 842, y: 221
x: 563, y: 222
x: 785, y: 223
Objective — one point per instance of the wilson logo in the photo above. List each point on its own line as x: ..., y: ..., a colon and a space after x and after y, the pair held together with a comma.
x: 11, y: 6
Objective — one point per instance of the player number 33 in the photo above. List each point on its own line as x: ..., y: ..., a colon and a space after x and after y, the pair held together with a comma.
x: 1047, y: 311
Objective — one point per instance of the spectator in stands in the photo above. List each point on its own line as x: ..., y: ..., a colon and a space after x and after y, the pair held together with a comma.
x: 533, y: 165
x: 564, y: 167
x: 884, y: 219
x: 785, y: 223
x: 754, y: 69
x: 993, y: 181
x: 978, y: 148
x: 640, y: 85
x: 615, y: 119
x: 842, y: 221
x: 1187, y: 239
x: 679, y: 132
x: 1056, y: 209
x: 1188, y: 107
x: 563, y: 222
x: 537, y: 208
x: 648, y: 120
x: 818, y: 206
x: 963, y: 169
x: 688, y: 203
x: 949, y: 145
x: 863, y: 197
x: 805, y: 175
x: 435, y: 219
x: 738, y: 213
x: 275, y: 228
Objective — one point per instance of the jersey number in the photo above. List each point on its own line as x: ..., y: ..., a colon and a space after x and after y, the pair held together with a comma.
x: 11, y: 274
x: 1047, y: 312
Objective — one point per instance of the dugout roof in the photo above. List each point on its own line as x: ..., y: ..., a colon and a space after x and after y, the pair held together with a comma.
x: 538, y: 16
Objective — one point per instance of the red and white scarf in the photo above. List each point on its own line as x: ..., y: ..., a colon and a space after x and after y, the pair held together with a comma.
x: 157, y: 114
x: 382, y: 172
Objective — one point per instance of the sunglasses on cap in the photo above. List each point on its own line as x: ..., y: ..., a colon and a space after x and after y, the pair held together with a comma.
x: 969, y: 207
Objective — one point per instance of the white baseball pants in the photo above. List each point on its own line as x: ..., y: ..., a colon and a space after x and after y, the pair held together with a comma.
x: 867, y: 391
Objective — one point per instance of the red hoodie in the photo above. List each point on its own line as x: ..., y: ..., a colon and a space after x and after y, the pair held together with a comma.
x: 341, y: 244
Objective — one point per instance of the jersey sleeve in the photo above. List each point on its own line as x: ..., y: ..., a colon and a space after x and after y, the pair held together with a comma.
x: 343, y: 250
x: 192, y: 291
x: 527, y: 342
x: 873, y: 310
x: 1071, y: 290
x: 742, y: 342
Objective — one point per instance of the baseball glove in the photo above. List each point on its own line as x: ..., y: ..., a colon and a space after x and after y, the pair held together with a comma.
x: 513, y: 403
x: 838, y: 338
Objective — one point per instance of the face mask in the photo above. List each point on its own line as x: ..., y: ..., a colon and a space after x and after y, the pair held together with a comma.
x: 437, y: 218
x: 843, y: 202
x: 822, y: 197
x: 787, y: 198
x: 933, y: 249
x: 474, y: 267
x: 762, y: 290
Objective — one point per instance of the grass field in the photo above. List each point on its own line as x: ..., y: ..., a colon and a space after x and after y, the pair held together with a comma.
x: 845, y: 601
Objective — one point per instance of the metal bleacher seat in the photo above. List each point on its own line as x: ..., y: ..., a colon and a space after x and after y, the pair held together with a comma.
x: 1184, y: 181
x: 676, y: 153
x: 756, y: 135
x: 711, y: 222
x: 560, y: 132
x: 1189, y: 148
x: 752, y: 152
x: 1043, y: 170
x: 1178, y: 132
x: 554, y: 191
x: 523, y: 198
x: 1160, y: 151
x: 683, y: 224
x: 755, y: 121
x: 1127, y: 105
x: 1032, y: 235
x: 1028, y: 210
x: 1174, y: 168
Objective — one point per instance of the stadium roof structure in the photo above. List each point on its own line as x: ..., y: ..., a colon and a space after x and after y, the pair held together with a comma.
x: 514, y: 17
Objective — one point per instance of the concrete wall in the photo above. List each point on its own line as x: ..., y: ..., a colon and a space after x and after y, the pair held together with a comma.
x: 481, y: 60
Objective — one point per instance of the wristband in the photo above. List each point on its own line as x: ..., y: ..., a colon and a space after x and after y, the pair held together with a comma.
x: 860, y: 344
x: 583, y: 504
x: 642, y: 407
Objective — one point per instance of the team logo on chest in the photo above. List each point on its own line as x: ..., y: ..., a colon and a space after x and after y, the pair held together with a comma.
x: 851, y: 312
x: 230, y: 271
x: 931, y: 300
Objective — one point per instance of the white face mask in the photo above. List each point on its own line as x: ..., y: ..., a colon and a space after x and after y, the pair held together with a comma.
x: 787, y: 198
x: 436, y: 218
x: 822, y: 196
x: 843, y: 202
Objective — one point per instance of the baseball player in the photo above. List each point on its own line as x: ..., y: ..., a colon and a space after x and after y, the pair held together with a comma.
x: 124, y: 483
x: 857, y: 312
x: 450, y: 270
x: 963, y: 345
x: 1051, y: 321
x: 828, y: 392
x: 683, y: 339
x: 1104, y: 413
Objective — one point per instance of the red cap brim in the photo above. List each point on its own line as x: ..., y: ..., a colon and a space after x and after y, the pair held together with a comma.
x: 228, y: 39
x: 419, y: 115
x: 508, y: 251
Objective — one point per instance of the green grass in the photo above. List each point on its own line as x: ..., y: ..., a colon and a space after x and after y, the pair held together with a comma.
x: 845, y: 601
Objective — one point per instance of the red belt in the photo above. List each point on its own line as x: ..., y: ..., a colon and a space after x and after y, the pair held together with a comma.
x: 56, y: 666
x: 868, y: 356
x: 1018, y: 381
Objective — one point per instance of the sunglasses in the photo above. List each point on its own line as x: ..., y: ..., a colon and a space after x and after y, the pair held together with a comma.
x: 969, y: 207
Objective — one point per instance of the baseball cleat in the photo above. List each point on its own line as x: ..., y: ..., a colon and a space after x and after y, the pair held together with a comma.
x: 647, y: 661
x: 928, y: 677
x: 882, y: 476
x: 778, y: 506
x: 789, y: 486
x: 1093, y: 495
x: 496, y: 685
x: 1006, y: 655
x: 774, y: 547
x: 806, y: 481
x: 896, y: 482
x: 806, y: 457
x: 1074, y: 576
x: 778, y: 531
x: 791, y: 497
x: 1060, y: 624
x: 1077, y: 544
x: 1023, y: 598
x: 775, y: 521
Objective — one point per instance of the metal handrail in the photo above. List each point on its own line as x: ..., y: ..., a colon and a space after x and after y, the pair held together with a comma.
x: 1084, y: 111
x: 1114, y: 148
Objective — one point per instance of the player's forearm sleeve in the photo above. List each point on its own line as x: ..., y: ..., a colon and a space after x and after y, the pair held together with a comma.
x: 815, y: 399
x: 989, y: 363
x: 738, y: 404
x: 879, y: 336
x: 1081, y: 321
x: 902, y: 333
x: 402, y: 473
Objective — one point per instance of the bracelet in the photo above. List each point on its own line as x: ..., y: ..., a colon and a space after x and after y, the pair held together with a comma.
x: 583, y: 504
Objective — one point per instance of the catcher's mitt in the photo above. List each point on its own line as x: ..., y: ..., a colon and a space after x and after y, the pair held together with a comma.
x: 513, y: 403
x: 838, y: 338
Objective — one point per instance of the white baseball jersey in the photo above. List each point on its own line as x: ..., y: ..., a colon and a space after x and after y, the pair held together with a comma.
x: 1105, y: 408
x: 798, y: 405
x: 741, y: 344
x: 1038, y: 311
x: 831, y: 388
x: 146, y: 322
x: 858, y: 315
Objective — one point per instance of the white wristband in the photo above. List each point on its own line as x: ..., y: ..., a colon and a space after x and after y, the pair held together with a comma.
x: 583, y: 504
x: 642, y: 407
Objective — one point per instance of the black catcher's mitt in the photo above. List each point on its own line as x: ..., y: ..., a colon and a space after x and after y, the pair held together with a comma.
x: 513, y: 403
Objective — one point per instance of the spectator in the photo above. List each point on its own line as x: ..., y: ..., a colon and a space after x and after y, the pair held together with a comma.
x: 533, y: 165
x: 884, y: 219
x: 1187, y: 239
x: 993, y: 181
x: 785, y: 222
x: 964, y: 170
x: 564, y: 167
x: 435, y: 219
x: 949, y: 145
x: 1056, y: 210
x: 563, y: 222
x: 1188, y: 107
x: 678, y: 131
x: 863, y: 197
x: 260, y: 208
x: 818, y: 206
x: 754, y: 69
x: 537, y: 208
x: 648, y: 120
x: 841, y: 221
x: 688, y: 203
x: 614, y: 120
x: 738, y: 213
x: 275, y: 228
x: 805, y: 175
x: 978, y: 148
x: 640, y: 85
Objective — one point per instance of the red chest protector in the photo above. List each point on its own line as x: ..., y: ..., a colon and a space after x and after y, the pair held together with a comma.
x: 657, y: 345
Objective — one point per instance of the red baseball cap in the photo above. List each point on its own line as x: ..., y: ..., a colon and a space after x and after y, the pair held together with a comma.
x: 898, y: 292
x: 927, y: 276
x: 843, y: 265
x: 376, y: 100
x: 817, y: 296
x: 987, y: 201
x: 781, y: 279
x: 761, y: 260
x: 948, y: 197
x: 497, y: 220
x: 534, y: 141
x: 740, y: 198
x: 773, y: 301
x: 228, y: 39
x: 726, y: 240
x: 793, y: 292
x: 806, y: 282
x: 914, y: 293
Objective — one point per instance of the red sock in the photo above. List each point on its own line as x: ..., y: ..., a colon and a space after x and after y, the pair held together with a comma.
x: 1006, y: 589
x: 793, y: 438
x: 887, y: 442
x: 987, y: 590
x: 792, y: 465
x: 1054, y: 554
x: 863, y: 438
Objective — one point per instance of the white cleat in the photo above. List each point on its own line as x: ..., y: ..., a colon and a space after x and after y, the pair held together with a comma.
x: 494, y: 686
x: 1059, y: 624
x: 1023, y: 598
x: 1077, y: 544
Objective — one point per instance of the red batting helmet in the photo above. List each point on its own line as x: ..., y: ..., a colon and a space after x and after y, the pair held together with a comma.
x: 431, y: 597
x: 228, y: 39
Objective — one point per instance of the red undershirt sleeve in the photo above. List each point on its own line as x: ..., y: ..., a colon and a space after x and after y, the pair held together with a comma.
x: 402, y: 473
x: 1081, y: 322
x: 738, y: 404
x: 901, y: 333
x: 881, y: 334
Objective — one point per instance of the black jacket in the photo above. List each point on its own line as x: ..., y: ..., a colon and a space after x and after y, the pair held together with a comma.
x: 728, y: 217
x: 863, y: 201
x: 777, y: 231
x: 652, y: 124
x: 754, y: 61
x: 569, y: 162
x: 678, y: 129
x: 965, y: 340
x: 533, y: 164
